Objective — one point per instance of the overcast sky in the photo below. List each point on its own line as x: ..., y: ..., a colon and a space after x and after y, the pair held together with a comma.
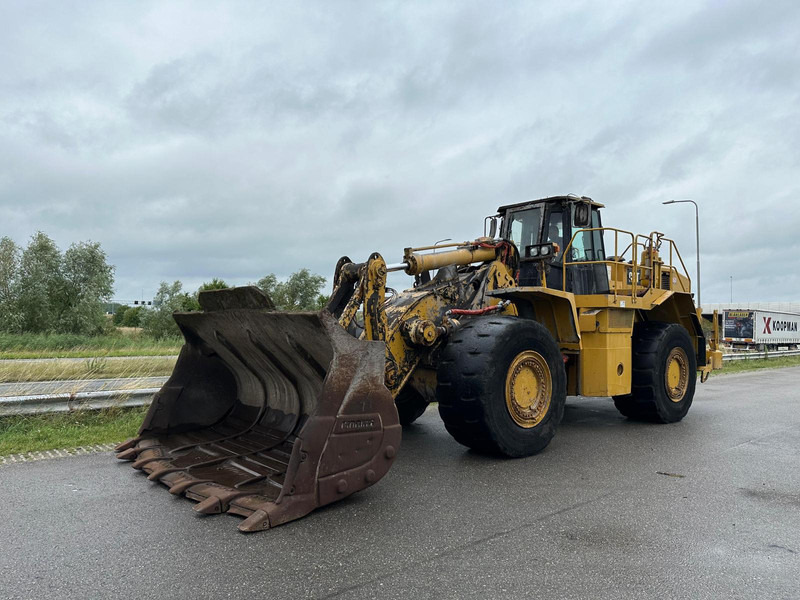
x: 199, y: 140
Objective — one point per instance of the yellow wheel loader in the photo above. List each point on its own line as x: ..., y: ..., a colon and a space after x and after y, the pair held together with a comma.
x: 270, y: 415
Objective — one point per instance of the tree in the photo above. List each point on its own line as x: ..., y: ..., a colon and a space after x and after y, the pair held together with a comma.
x: 42, y: 290
x: 40, y: 284
x: 9, y: 280
x: 87, y: 282
x: 214, y: 284
x: 300, y: 292
x: 119, y: 314
x: 158, y: 322
x: 269, y: 285
x: 133, y: 317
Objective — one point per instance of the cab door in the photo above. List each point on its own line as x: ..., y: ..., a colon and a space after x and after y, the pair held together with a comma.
x: 588, y: 274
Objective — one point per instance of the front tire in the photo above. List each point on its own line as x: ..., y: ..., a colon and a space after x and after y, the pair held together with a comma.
x: 502, y: 386
x: 664, y: 374
x: 410, y: 405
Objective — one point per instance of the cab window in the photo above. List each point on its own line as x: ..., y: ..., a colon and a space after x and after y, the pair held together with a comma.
x: 588, y: 245
x: 597, y: 237
x: 579, y: 252
x: 555, y: 230
x: 524, y: 228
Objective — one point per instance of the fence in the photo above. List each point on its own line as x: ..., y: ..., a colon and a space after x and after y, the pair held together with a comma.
x: 756, y: 355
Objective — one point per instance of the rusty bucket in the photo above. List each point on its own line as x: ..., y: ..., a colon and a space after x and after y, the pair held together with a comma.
x: 267, y: 415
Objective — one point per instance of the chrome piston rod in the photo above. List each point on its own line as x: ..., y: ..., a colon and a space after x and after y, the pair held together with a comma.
x: 401, y: 266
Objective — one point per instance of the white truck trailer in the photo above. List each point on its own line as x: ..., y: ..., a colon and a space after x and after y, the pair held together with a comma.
x: 762, y: 329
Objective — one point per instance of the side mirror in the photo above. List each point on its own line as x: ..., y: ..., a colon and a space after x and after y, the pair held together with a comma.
x: 492, y: 222
x: 582, y: 215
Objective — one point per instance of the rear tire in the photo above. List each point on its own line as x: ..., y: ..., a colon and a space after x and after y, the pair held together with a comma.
x: 502, y: 386
x: 410, y: 405
x: 664, y: 374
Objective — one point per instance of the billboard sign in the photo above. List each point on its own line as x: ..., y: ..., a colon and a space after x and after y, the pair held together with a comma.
x: 738, y: 325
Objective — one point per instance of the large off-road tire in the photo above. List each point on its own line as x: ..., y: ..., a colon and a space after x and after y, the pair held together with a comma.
x: 502, y: 386
x: 410, y: 405
x: 664, y: 374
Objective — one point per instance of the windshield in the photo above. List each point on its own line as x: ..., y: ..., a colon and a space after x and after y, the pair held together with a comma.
x: 524, y: 227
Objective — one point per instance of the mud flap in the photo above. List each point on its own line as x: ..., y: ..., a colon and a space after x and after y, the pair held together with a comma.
x: 267, y: 415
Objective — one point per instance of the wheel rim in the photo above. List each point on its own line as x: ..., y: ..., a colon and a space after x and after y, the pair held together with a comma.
x: 676, y: 377
x: 529, y: 387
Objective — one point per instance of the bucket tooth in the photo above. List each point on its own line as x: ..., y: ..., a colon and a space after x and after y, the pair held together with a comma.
x: 258, y: 521
x: 159, y: 473
x: 126, y: 445
x: 139, y: 464
x: 210, y: 506
x: 128, y: 454
x: 181, y: 487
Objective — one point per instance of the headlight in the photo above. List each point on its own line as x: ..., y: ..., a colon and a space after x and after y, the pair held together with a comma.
x: 545, y: 250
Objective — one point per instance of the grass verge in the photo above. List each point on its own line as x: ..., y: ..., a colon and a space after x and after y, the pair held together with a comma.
x: 50, y: 345
x: 91, y: 368
x: 28, y: 433
x: 740, y: 366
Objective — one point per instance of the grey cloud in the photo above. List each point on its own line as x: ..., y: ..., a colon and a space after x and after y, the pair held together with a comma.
x: 238, y: 139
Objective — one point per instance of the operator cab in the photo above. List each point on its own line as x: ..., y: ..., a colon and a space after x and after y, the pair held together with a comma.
x: 555, y: 220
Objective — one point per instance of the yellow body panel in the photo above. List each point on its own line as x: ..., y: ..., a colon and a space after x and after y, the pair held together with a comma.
x: 606, y: 352
x: 554, y: 309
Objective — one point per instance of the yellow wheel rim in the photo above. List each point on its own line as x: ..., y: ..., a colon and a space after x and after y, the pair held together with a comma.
x: 677, y: 374
x: 528, y: 389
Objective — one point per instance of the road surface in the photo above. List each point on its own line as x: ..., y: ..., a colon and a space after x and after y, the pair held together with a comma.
x: 706, y: 508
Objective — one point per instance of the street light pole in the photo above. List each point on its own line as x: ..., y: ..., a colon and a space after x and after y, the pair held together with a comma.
x: 697, y: 235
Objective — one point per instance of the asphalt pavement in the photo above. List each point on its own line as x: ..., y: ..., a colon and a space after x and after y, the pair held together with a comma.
x: 705, y: 508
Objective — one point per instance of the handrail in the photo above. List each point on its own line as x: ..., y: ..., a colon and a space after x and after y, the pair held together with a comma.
x: 616, y: 249
x: 637, y: 270
x: 674, y: 246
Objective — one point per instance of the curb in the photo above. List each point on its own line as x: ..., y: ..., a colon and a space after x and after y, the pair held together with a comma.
x: 60, y: 453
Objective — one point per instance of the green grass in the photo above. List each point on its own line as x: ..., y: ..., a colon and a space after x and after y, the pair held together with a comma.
x: 28, y: 433
x: 91, y: 368
x: 57, y: 345
x: 740, y: 366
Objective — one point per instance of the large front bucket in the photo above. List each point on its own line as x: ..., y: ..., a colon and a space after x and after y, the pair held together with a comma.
x: 267, y: 414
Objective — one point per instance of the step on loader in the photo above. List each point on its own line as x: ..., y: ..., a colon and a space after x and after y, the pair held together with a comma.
x: 269, y: 414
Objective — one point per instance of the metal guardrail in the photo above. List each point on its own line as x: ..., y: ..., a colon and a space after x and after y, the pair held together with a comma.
x: 46, y: 403
x: 757, y: 355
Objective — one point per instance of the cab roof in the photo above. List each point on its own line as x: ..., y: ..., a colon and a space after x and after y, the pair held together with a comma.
x: 553, y: 199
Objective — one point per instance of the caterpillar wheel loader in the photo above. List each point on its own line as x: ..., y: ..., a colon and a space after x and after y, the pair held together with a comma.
x: 269, y: 415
